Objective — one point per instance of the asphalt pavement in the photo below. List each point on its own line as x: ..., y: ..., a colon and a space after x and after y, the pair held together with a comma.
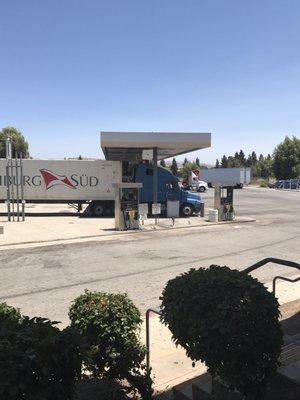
x: 43, y: 281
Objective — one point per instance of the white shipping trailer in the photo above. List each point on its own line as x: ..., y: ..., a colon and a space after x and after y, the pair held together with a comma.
x: 65, y: 181
x: 226, y: 176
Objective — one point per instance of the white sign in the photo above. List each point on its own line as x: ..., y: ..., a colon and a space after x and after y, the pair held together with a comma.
x: 143, y: 209
x: 156, y: 208
x: 147, y: 154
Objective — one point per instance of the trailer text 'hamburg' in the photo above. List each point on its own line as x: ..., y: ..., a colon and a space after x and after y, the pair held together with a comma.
x: 51, y: 179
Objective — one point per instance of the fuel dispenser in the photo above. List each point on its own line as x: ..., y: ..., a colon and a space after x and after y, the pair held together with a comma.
x: 127, y: 206
x: 224, y: 202
x: 227, y: 210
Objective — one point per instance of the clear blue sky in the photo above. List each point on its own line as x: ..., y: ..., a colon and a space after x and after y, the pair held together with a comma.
x: 70, y: 69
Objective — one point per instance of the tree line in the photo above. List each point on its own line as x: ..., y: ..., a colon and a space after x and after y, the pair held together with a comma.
x: 284, y: 163
x: 186, y: 167
x: 261, y: 167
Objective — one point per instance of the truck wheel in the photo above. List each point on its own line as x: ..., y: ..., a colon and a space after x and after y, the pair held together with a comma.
x: 201, y: 189
x: 98, y: 210
x: 187, y: 210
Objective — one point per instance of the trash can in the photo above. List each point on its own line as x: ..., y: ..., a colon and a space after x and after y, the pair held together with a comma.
x: 213, y: 215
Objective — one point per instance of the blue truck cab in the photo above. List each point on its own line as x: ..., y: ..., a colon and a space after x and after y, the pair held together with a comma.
x: 168, y: 189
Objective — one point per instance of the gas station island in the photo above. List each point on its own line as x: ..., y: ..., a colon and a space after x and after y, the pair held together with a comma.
x: 139, y: 153
x: 128, y: 183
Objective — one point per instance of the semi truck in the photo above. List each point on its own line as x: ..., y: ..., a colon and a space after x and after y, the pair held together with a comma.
x: 237, y: 177
x: 194, y: 183
x: 92, y: 181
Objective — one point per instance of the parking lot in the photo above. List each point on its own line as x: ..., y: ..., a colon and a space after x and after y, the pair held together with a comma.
x: 43, y: 280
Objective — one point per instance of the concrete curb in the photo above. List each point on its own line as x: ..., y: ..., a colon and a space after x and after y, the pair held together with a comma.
x: 115, y: 234
x: 207, y: 223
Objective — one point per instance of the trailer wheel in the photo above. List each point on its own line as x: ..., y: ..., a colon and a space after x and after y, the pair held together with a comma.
x: 201, y: 189
x: 98, y: 209
x: 187, y: 210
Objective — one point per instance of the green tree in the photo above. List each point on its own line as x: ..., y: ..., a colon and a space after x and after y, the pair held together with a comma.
x: 187, y: 168
x: 236, y: 159
x: 224, y: 162
x: 18, y: 142
x: 217, y: 163
x: 253, y: 158
x: 242, y: 158
x: 261, y: 157
x: 163, y: 163
x: 266, y: 168
x: 198, y: 161
x: 231, y: 163
x: 287, y: 158
x: 249, y: 161
x: 185, y: 161
x: 174, y: 167
x: 262, y: 169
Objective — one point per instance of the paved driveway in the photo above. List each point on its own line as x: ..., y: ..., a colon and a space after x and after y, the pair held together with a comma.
x: 44, y: 280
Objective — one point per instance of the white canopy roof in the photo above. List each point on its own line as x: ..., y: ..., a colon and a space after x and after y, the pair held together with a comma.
x: 129, y: 145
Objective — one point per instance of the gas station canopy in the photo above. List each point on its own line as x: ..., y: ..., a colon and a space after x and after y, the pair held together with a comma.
x: 130, y: 145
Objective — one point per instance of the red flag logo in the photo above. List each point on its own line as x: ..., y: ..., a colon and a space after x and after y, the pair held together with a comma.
x: 51, y: 179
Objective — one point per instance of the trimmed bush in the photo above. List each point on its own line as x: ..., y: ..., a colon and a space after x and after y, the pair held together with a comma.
x: 9, y: 315
x: 94, y: 389
x: 228, y: 320
x: 37, y: 360
x: 109, y: 325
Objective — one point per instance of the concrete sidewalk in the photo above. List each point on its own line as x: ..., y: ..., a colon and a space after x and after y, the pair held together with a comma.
x: 61, y: 227
x: 171, y: 366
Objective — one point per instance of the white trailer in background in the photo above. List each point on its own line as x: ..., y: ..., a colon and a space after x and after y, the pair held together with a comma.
x: 237, y: 177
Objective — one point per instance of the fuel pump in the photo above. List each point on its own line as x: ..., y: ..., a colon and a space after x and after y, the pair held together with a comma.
x: 127, y: 206
x: 227, y: 210
x: 223, y: 202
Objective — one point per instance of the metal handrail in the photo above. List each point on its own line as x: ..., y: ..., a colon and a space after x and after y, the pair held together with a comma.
x: 150, y: 310
x: 283, y: 279
x: 253, y: 267
x: 272, y: 260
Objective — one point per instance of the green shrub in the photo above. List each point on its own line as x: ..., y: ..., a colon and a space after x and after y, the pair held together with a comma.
x: 109, y: 325
x: 228, y: 320
x: 9, y: 315
x: 37, y: 360
x: 263, y: 184
x: 95, y: 389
